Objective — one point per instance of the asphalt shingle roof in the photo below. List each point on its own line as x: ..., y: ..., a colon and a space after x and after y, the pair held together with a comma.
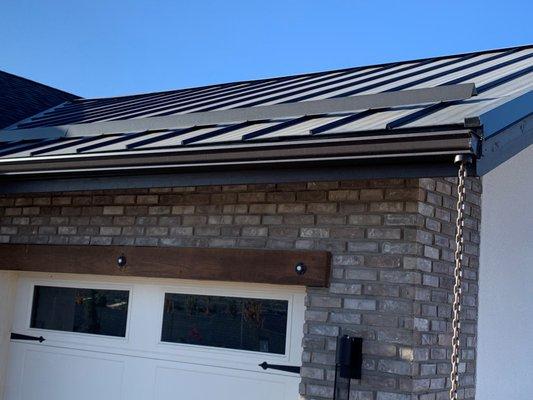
x: 21, y: 98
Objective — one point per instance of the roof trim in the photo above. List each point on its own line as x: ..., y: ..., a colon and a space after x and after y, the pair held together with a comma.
x: 436, y: 167
x: 507, y: 143
x: 436, y: 94
x: 506, y: 111
x: 243, y: 155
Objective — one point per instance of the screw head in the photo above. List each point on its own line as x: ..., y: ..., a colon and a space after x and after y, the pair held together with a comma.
x: 300, y: 268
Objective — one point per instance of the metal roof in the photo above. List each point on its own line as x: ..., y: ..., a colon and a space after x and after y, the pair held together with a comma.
x: 169, y: 123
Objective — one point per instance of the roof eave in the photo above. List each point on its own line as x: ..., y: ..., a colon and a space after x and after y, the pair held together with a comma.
x: 421, y: 154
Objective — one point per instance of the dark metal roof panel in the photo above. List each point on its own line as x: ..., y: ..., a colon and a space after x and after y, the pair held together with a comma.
x: 425, y: 73
x: 499, y: 75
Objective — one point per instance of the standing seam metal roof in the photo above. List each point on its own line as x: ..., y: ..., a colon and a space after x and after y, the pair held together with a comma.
x: 497, y: 74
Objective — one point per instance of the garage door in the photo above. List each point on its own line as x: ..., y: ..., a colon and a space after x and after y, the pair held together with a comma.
x: 149, y: 339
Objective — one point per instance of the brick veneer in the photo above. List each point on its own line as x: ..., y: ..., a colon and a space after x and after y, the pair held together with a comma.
x: 392, y: 247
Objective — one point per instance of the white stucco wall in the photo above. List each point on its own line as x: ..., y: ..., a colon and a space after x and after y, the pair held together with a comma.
x: 505, y: 330
x: 8, y: 285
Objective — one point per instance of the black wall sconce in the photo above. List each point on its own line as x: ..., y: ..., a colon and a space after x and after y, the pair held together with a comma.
x: 300, y: 268
x: 121, y: 261
x: 348, y: 365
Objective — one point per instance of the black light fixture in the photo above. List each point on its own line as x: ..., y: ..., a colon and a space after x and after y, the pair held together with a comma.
x: 348, y: 365
x: 121, y: 261
x: 300, y: 268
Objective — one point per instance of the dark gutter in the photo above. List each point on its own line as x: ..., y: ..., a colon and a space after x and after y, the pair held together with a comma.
x: 370, y: 147
x: 413, y: 155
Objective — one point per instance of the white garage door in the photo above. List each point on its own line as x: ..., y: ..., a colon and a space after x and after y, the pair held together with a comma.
x: 149, y: 339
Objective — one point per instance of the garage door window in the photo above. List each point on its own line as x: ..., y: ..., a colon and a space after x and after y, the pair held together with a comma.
x: 96, y: 311
x: 228, y: 322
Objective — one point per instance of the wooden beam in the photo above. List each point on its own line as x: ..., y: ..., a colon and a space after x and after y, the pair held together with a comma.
x: 236, y: 265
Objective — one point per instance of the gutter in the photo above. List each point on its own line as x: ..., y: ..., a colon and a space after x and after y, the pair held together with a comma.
x: 373, y: 148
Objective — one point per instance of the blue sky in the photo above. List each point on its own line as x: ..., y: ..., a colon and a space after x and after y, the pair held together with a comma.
x: 98, y: 48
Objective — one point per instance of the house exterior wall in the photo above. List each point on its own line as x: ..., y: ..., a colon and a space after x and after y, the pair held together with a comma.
x: 392, y: 261
x: 505, y: 368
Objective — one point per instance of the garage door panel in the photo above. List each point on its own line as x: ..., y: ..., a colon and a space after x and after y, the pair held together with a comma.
x: 222, y: 384
x: 58, y: 374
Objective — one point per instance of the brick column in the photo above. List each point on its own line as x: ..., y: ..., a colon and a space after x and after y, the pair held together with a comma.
x: 392, y: 286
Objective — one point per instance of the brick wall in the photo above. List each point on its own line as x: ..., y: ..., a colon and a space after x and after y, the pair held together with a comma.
x: 392, y: 247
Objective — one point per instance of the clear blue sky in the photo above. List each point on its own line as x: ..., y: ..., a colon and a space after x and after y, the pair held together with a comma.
x: 112, y: 47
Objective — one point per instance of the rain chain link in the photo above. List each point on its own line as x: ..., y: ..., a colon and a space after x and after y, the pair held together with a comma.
x: 462, y: 161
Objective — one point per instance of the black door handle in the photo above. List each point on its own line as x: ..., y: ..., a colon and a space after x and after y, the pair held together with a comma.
x: 18, y: 336
x: 287, y: 368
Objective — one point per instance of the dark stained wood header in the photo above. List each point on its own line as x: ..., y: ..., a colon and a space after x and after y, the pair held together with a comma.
x: 236, y: 265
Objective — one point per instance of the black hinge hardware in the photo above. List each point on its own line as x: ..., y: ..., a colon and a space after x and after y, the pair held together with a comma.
x: 18, y: 336
x: 287, y: 368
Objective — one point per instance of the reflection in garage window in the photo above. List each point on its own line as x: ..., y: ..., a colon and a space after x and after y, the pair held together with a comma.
x: 229, y: 322
x: 97, y: 311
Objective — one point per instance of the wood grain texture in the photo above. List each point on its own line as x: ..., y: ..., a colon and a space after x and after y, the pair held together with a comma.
x: 235, y: 265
